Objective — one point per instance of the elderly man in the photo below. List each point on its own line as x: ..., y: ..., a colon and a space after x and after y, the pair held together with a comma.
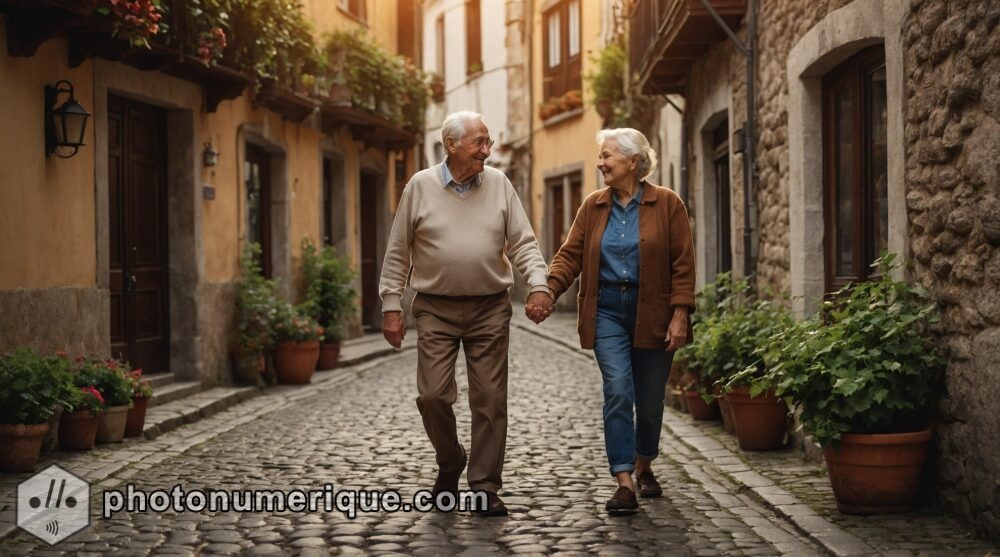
x: 459, y: 226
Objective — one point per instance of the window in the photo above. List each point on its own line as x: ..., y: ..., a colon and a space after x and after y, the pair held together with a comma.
x: 257, y: 169
x: 723, y: 216
x: 854, y: 168
x: 562, y: 46
x: 439, y: 46
x: 473, y: 38
x: 355, y: 8
x: 406, y: 29
x: 565, y: 194
x: 327, y: 201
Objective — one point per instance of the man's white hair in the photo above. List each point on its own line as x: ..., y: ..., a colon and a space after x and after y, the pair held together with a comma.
x: 632, y: 143
x: 457, y: 123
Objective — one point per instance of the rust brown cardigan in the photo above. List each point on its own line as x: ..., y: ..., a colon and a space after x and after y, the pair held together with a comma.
x: 666, y: 263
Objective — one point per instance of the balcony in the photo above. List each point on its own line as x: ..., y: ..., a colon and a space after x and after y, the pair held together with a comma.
x: 667, y: 36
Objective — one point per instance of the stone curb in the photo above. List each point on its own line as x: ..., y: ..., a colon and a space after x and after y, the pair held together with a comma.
x: 829, y: 536
x: 209, y: 413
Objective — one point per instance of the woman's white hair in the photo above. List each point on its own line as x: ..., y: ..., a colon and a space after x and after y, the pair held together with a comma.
x: 457, y: 123
x: 632, y: 143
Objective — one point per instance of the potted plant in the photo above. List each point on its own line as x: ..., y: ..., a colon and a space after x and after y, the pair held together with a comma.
x: 329, y: 296
x: 255, y: 307
x: 760, y: 417
x: 141, y: 393
x: 296, y: 348
x: 34, y: 387
x: 864, y: 378
x: 78, y: 424
x: 111, y: 378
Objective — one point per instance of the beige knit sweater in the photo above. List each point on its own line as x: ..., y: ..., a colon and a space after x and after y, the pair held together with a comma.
x: 448, y: 245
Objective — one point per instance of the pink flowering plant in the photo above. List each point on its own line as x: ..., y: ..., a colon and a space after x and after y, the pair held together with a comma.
x: 109, y: 376
x: 293, y: 325
x: 90, y: 399
x: 140, y: 387
x: 136, y: 21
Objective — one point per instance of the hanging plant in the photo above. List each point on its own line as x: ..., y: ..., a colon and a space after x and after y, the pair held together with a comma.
x: 135, y: 21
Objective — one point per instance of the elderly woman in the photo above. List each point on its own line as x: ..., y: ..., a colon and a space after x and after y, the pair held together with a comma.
x: 631, y: 246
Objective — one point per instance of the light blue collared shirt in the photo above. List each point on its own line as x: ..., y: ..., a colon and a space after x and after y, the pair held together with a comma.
x: 462, y: 189
x: 620, y: 243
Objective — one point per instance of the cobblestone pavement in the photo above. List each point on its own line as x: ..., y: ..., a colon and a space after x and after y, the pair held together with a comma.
x: 366, y: 433
x: 923, y: 531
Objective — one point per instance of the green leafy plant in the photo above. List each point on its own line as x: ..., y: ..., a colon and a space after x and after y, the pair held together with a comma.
x: 615, y: 96
x: 292, y: 324
x: 373, y: 76
x: 870, y: 366
x: 33, y: 387
x: 749, y: 326
x: 256, y: 305
x: 719, y: 317
x: 329, y: 291
x: 110, y: 377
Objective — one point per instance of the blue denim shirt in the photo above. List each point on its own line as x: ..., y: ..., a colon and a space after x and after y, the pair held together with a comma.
x: 462, y: 189
x: 620, y: 243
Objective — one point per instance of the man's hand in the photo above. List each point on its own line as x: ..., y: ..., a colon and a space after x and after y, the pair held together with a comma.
x: 394, y: 328
x: 677, y: 331
x: 539, y: 306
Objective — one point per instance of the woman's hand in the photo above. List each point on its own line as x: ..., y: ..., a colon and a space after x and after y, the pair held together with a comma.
x: 677, y: 330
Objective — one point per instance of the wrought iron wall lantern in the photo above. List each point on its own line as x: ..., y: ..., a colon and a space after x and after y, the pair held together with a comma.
x: 209, y: 157
x: 66, y: 125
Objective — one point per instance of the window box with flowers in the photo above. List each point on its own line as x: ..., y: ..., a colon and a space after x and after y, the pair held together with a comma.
x: 35, y: 388
x: 296, y: 348
x: 569, y: 104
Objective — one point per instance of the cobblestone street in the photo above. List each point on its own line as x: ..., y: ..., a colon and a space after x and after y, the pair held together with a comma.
x: 362, y: 430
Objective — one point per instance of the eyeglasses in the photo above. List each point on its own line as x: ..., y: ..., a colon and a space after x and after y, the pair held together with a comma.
x: 483, y: 142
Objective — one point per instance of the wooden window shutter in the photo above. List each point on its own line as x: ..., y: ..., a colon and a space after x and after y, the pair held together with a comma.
x: 473, y: 37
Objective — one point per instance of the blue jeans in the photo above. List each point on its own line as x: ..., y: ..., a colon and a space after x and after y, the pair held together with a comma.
x: 634, y: 381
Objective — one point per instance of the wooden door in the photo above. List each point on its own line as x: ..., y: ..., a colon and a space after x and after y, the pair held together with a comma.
x: 369, y: 248
x: 258, y: 192
x: 137, y: 202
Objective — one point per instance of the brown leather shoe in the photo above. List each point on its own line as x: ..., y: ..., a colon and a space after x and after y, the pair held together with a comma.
x: 648, y: 486
x: 447, y: 480
x: 494, y: 506
x: 622, y: 502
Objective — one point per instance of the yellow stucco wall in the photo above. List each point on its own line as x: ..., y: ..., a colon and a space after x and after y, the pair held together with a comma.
x: 326, y: 16
x: 47, y: 226
x: 570, y: 141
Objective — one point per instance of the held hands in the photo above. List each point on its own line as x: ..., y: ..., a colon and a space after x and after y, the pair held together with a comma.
x: 539, y: 306
x: 677, y: 330
x: 394, y: 328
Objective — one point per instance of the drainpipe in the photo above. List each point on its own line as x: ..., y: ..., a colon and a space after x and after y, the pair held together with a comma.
x: 749, y: 131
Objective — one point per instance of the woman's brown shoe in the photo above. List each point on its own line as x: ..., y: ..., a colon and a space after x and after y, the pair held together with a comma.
x: 648, y: 487
x: 622, y: 502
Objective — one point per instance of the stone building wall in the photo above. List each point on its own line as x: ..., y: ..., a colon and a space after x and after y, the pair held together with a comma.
x: 953, y: 202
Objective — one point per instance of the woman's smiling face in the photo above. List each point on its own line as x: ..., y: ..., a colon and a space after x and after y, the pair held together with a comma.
x: 616, y: 168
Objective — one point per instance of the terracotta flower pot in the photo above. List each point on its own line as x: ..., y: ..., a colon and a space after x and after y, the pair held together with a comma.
x: 136, y: 420
x: 111, y: 426
x: 295, y: 362
x: 329, y: 354
x: 877, y: 473
x: 20, y: 445
x: 726, y: 411
x: 78, y: 430
x: 761, y: 421
x: 698, y: 408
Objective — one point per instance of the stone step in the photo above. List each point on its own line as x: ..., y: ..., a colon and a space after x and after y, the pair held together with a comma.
x: 173, y: 391
x: 157, y: 380
x: 201, y: 404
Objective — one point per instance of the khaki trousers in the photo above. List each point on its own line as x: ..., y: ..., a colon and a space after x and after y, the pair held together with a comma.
x: 482, y: 325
